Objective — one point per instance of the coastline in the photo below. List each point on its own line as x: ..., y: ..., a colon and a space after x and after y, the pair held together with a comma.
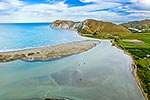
x: 30, y: 55
x: 133, y: 70
x: 133, y: 65
x: 49, y: 52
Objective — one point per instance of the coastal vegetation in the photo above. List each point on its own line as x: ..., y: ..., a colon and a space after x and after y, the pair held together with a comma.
x: 138, y: 26
x: 136, y: 42
x: 138, y: 45
x: 141, y: 55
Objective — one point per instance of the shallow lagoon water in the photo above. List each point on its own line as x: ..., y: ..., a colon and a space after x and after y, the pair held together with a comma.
x: 102, y: 73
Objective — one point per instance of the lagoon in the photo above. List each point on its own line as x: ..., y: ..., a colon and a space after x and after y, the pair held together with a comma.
x: 102, y: 73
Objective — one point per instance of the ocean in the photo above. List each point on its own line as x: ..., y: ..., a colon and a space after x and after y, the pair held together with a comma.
x: 32, y: 35
x: 102, y: 73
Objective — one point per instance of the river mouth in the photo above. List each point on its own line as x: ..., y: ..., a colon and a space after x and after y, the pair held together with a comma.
x: 102, y: 73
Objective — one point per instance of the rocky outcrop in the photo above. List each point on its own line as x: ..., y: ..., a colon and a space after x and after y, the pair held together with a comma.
x: 49, y: 52
x: 66, y: 24
x: 90, y: 26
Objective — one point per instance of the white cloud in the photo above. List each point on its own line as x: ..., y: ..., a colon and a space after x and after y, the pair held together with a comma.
x: 4, y: 6
x: 92, y: 7
x: 50, y: 12
x: 140, y: 15
x: 31, y: 13
x: 10, y: 4
x: 87, y: 1
x: 144, y: 4
x: 44, y: 7
x: 14, y: 2
x: 99, y: 1
x: 59, y: 10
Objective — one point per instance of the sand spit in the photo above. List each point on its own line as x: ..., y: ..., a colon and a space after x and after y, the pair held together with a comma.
x: 49, y: 52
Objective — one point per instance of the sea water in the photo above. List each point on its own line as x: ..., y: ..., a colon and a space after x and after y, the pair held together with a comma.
x: 32, y: 35
x: 102, y: 73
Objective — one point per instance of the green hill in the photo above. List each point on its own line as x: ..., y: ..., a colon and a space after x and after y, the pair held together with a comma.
x: 138, y: 26
x: 99, y: 27
x: 90, y: 26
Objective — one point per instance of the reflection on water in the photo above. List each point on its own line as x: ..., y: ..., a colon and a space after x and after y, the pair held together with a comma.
x: 102, y: 73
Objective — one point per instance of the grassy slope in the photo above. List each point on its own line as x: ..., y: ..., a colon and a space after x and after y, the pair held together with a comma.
x: 92, y: 26
x: 137, y: 50
x: 143, y: 24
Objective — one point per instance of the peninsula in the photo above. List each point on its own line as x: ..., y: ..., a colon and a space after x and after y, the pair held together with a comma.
x: 49, y: 52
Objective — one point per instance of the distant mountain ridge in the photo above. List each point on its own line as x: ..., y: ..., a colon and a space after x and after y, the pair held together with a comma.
x: 90, y: 26
x: 138, y: 26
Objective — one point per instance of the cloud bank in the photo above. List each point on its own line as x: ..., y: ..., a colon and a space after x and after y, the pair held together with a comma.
x: 117, y: 11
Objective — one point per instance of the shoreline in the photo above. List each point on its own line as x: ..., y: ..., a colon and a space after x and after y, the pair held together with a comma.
x: 133, y: 70
x: 49, y: 52
x: 133, y: 65
x: 45, y: 54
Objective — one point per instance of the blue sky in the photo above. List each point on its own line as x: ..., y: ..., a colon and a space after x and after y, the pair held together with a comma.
x: 117, y: 11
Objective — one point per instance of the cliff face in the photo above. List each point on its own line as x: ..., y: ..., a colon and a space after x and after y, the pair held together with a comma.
x: 66, y: 24
x: 90, y: 26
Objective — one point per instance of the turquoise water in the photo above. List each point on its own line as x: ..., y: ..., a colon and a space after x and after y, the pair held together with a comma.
x: 102, y: 73
x: 23, y: 36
